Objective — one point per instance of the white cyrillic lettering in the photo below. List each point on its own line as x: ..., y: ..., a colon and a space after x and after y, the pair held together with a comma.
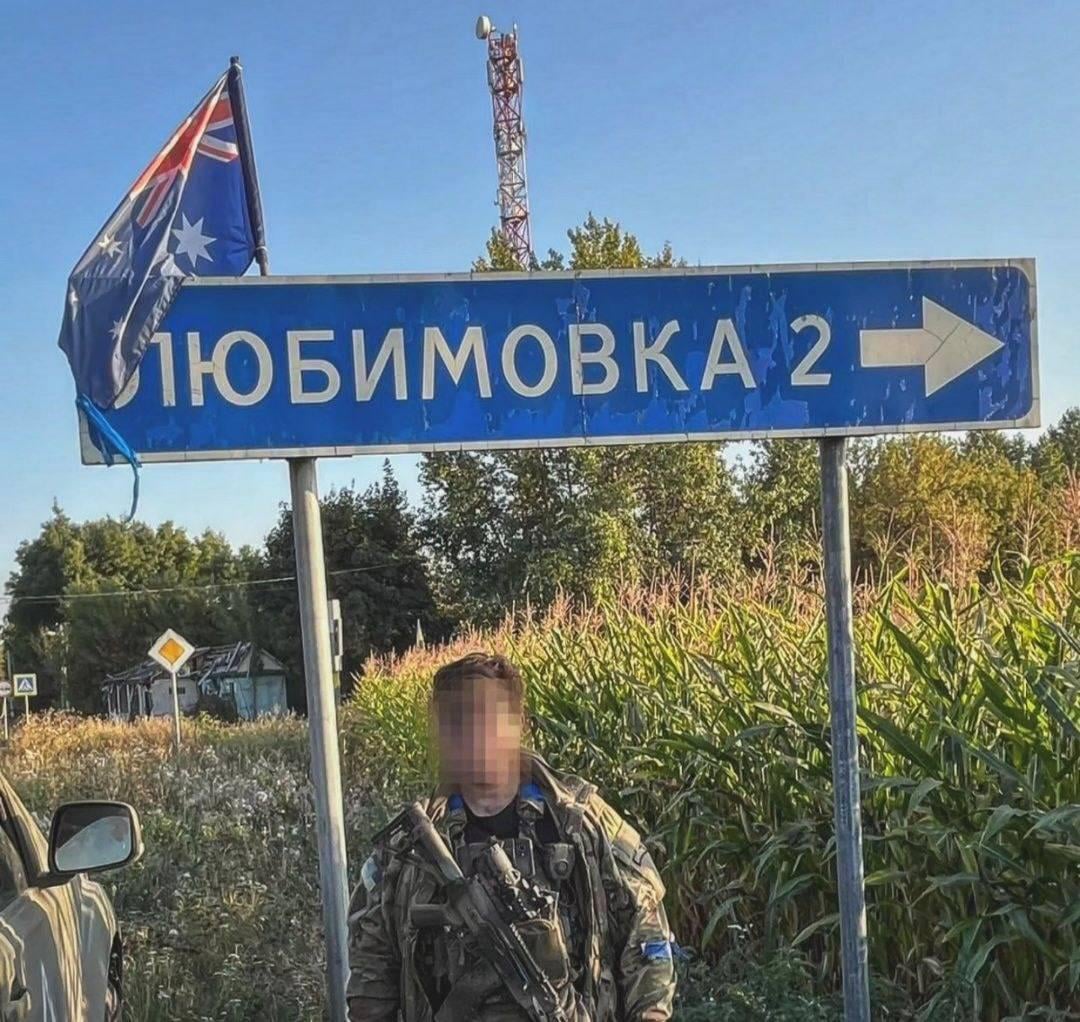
x: 168, y: 375
x: 602, y: 356
x: 367, y: 380
x: 551, y: 360
x: 199, y: 367
x: 298, y: 366
x: 472, y: 345
x: 725, y: 334
x: 654, y: 352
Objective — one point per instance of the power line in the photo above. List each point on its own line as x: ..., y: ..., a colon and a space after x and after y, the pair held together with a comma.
x: 239, y: 584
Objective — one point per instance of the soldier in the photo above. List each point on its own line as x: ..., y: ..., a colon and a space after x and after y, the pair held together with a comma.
x: 604, y: 944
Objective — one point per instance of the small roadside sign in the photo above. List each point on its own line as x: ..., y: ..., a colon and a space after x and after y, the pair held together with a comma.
x: 5, y: 688
x: 171, y: 650
x: 25, y: 684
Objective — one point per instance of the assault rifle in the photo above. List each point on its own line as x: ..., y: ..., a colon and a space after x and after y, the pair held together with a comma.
x: 489, y: 905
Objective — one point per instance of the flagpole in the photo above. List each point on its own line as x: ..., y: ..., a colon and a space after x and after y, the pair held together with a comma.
x: 247, y: 164
x: 315, y: 632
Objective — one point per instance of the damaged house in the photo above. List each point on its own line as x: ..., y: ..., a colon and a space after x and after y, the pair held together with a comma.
x: 239, y: 679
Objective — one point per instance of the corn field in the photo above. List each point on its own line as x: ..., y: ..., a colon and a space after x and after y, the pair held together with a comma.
x: 704, y: 715
x: 701, y: 711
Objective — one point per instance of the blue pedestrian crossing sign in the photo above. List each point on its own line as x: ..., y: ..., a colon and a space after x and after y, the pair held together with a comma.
x: 261, y: 367
x: 25, y: 684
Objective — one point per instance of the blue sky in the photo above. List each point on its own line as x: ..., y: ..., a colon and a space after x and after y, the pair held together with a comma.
x: 741, y: 133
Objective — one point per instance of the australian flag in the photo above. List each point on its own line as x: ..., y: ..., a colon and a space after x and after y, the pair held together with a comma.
x: 194, y: 211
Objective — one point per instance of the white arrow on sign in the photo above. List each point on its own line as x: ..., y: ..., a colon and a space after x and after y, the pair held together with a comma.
x: 946, y: 346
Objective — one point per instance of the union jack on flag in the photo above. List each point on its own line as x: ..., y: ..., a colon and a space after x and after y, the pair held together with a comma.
x: 191, y: 212
x: 193, y: 138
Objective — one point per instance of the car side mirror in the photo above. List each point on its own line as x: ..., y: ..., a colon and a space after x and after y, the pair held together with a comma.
x: 87, y: 837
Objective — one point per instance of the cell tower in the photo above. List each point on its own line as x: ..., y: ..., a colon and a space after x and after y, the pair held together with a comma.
x: 506, y: 79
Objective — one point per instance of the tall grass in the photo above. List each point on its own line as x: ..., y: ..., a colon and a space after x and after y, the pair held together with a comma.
x: 705, y: 717
x: 221, y: 917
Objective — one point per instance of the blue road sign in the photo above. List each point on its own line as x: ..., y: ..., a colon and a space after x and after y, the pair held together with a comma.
x: 280, y: 366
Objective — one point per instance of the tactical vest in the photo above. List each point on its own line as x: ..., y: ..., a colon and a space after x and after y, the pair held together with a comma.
x: 460, y: 984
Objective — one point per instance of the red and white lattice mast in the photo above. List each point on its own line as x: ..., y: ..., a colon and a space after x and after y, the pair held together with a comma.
x: 506, y: 79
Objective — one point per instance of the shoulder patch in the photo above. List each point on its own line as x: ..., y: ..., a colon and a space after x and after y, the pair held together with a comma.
x: 625, y: 841
x: 370, y: 873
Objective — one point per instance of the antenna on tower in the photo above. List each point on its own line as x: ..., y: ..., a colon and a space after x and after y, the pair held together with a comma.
x: 506, y: 79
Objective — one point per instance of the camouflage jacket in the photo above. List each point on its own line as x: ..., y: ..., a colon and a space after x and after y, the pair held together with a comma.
x: 624, y: 945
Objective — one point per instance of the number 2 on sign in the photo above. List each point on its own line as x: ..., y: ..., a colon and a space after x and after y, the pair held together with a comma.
x: 801, y: 376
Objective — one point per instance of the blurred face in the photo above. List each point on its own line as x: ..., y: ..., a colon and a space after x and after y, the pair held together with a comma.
x: 479, y: 740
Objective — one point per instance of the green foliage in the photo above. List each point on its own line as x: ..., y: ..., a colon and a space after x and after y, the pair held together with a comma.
x: 992, y: 447
x: 946, y: 508
x: 500, y: 256
x: 1056, y: 456
x: 91, y: 634
x: 778, y: 989
x: 510, y: 529
x: 779, y: 501
x: 375, y: 568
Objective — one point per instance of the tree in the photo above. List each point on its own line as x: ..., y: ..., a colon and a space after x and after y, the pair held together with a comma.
x: 780, y: 501
x: 515, y: 528
x: 375, y: 569
x: 992, y: 447
x: 1056, y: 456
x: 89, y: 598
x: 924, y: 505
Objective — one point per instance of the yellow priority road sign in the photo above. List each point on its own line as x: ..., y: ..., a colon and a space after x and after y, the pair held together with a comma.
x: 171, y: 650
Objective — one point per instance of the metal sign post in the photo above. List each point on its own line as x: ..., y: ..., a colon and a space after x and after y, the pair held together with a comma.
x: 5, y: 690
x: 836, y: 541
x: 5, y: 694
x: 172, y: 651
x: 175, y: 712
x: 322, y: 724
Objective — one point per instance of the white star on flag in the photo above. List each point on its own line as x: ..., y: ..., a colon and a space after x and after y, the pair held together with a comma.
x: 191, y: 241
x: 117, y: 329
x: 109, y: 246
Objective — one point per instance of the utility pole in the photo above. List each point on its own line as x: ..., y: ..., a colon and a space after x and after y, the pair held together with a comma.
x: 506, y: 79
